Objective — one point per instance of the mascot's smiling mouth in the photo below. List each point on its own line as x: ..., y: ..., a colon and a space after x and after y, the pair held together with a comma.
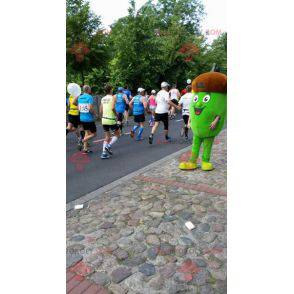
x: 198, y: 110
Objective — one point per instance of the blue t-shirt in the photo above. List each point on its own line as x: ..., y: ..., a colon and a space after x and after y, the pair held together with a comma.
x: 138, y: 105
x: 128, y: 93
x: 120, y: 104
x: 84, y: 101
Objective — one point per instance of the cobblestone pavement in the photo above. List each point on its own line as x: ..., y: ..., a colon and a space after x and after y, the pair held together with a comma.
x: 132, y: 239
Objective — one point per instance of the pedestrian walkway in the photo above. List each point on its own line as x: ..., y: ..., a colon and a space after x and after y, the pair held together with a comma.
x: 133, y: 238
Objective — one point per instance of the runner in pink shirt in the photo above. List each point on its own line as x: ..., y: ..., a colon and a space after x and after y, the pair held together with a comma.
x: 152, y: 106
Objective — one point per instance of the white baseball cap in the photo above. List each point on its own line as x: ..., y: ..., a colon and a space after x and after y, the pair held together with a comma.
x: 153, y: 92
x: 140, y: 90
x: 189, y: 81
x: 164, y: 84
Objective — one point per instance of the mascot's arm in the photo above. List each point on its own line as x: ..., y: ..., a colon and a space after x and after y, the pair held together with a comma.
x: 214, y: 123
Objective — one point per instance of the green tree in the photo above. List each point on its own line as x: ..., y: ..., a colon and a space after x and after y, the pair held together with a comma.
x: 216, y: 53
x: 157, y: 42
x: 85, y: 40
x: 146, y: 43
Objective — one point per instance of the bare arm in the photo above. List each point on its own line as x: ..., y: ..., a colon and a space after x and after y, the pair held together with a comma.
x: 144, y: 103
x: 75, y: 101
x: 172, y: 104
x: 101, y: 109
x: 126, y: 99
x: 92, y: 110
x: 113, y: 104
x: 180, y: 106
x: 131, y: 102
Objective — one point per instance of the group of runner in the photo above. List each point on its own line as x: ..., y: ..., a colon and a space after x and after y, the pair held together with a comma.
x: 114, y: 111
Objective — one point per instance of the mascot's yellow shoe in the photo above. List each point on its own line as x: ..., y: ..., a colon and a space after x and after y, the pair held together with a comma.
x: 206, y: 166
x: 187, y: 165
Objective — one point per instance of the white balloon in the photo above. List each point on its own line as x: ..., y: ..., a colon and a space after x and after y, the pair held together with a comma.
x: 74, y: 89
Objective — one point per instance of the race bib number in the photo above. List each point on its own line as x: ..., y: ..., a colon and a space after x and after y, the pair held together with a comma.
x: 84, y: 108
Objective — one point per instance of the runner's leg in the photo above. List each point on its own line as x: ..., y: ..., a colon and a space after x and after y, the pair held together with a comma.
x: 127, y: 116
x: 141, y: 129
x: 88, y: 135
x: 104, y: 155
x: 165, y: 124
x: 70, y: 128
x: 186, y: 119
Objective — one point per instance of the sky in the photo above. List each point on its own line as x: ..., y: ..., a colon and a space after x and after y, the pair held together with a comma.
x: 213, y: 24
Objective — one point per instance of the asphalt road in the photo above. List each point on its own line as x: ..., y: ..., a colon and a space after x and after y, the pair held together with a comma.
x: 86, y: 173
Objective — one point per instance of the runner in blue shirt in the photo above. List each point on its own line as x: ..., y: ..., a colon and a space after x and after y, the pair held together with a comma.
x: 87, y: 116
x: 139, y: 104
x: 120, y: 106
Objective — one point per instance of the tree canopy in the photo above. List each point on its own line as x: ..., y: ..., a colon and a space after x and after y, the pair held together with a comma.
x: 157, y: 42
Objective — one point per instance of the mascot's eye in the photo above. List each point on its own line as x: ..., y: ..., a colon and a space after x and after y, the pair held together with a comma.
x: 206, y: 98
x: 195, y: 98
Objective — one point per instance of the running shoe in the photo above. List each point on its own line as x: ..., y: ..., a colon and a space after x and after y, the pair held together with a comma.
x: 167, y: 138
x: 150, y: 139
x: 87, y: 151
x: 104, y: 155
x: 108, y: 149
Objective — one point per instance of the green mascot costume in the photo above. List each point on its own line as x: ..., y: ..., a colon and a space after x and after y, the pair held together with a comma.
x: 208, y: 111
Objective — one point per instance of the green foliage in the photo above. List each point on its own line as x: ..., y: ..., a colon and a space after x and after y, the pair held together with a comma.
x: 218, y: 52
x: 85, y: 40
x: 158, y: 42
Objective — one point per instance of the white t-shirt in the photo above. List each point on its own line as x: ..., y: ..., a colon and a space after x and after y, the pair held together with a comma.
x: 162, y: 99
x: 185, y: 101
x: 174, y: 94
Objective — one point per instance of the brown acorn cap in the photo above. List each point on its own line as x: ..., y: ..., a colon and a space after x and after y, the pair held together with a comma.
x: 210, y: 82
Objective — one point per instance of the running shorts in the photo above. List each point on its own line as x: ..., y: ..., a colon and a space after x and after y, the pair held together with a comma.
x: 139, y: 118
x: 162, y: 117
x: 175, y: 101
x: 113, y: 128
x: 152, y: 107
x: 127, y: 107
x: 185, y: 118
x: 74, y: 120
x: 89, y: 126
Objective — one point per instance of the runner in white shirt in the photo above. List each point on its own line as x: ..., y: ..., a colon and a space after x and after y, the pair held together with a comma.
x: 163, y: 103
x: 184, y: 104
x: 174, y: 96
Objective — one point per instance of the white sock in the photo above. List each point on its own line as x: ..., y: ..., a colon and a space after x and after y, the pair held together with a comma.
x: 104, y: 145
x: 113, y: 140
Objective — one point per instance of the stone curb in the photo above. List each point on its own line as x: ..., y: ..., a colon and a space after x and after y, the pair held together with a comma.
x: 98, y: 192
